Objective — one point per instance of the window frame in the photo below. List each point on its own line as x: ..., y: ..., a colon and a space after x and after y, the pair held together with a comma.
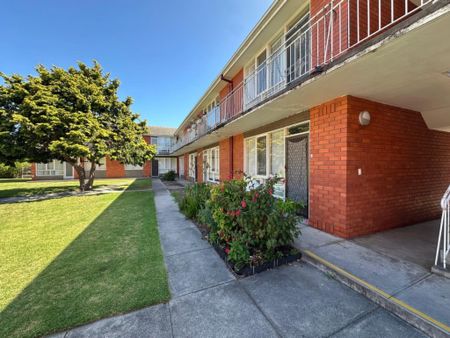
x: 268, y: 136
x: 208, y: 174
x: 50, y: 171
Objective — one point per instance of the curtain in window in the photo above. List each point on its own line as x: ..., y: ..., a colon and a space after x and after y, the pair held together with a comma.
x: 250, y: 167
x: 261, y: 156
x: 277, y: 153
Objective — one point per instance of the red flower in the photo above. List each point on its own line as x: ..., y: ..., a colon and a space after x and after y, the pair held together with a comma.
x: 237, y: 213
x: 270, y: 191
x: 244, y: 204
x: 227, y: 250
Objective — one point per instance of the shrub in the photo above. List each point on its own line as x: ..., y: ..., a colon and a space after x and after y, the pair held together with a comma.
x: 194, y: 199
x: 251, y: 224
x: 169, y: 176
x: 7, y: 171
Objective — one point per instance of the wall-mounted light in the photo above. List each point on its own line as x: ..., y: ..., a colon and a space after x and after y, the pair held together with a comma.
x: 364, y: 118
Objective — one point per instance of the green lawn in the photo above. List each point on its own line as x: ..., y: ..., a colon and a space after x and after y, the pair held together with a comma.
x: 73, y: 260
x: 24, y: 187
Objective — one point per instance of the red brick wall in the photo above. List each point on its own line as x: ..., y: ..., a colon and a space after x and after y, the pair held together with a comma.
x: 199, y: 165
x: 225, y: 158
x: 328, y: 165
x: 148, y: 169
x: 33, y: 171
x: 114, y: 169
x: 238, y: 155
x: 405, y: 168
x: 186, y: 166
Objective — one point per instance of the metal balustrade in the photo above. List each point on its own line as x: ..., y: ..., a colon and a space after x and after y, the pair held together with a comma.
x: 443, y: 246
x: 326, y: 35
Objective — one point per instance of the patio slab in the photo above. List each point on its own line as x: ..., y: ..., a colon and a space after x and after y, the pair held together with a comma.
x: 195, y: 271
x: 182, y: 241
x: 313, y: 238
x: 150, y: 322
x: 388, y: 274
x: 378, y: 324
x: 222, y: 311
x: 302, y: 301
x: 415, y: 243
x: 431, y: 296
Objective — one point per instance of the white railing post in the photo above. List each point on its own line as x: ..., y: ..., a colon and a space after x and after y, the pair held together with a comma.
x: 443, y: 245
x: 296, y: 56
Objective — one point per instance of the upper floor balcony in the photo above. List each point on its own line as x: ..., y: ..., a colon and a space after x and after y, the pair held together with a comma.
x: 322, y: 36
x: 164, y: 144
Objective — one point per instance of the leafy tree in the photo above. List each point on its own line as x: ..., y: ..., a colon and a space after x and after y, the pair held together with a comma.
x: 72, y: 115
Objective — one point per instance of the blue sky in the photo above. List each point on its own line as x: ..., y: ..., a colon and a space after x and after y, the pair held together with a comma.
x: 166, y: 53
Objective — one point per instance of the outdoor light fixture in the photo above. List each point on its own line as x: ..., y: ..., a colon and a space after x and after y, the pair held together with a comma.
x: 364, y: 118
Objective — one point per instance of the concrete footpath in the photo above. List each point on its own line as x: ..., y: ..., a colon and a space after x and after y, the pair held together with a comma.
x: 208, y: 301
x: 409, y: 290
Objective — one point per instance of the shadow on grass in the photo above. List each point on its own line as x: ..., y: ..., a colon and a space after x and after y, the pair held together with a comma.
x: 114, y: 266
x: 33, y: 191
x: 14, y: 180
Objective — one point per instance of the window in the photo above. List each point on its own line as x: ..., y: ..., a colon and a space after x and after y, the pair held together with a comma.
x: 277, y: 153
x: 261, y: 72
x: 166, y: 164
x: 264, y: 157
x: 250, y: 162
x: 277, y: 64
x: 192, y: 165
x: 298, y: 48
x: 261, y: 156
x: 298, y: 129
x: 53, y: 168
x: 211, y: 165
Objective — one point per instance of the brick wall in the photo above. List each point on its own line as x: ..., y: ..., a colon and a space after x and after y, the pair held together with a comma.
x: 33, y: 171
x: 226, y: 159
x: 200, y: 165
x: 186, y: 166
x: 328, y: 146
x: 238, y: 156
x: 405, y: 168
x: 114, y: 169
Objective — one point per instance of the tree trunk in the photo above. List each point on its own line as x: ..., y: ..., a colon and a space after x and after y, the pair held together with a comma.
x: 85, y: 185
x: 81, y: 175
x: 90, y: 183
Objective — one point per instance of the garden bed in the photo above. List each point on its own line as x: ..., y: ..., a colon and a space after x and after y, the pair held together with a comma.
x: 251, y: 270
x: 251, y: 230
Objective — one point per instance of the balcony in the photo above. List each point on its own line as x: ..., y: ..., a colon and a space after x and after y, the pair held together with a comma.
x: 325, y: 36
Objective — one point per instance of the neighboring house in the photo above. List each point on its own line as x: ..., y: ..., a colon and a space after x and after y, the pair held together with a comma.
x: 164, y: 140
x: 348, y: 100
x: 160, y: 136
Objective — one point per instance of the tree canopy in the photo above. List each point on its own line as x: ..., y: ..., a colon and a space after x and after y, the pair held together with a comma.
x: 72, y: 115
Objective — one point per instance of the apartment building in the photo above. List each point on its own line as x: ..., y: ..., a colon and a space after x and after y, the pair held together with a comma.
x: 163, y: 162
x: 347, y: 100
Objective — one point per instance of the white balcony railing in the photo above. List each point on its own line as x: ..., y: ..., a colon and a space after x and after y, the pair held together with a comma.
x: 329, y: 33
x: 443, y: 245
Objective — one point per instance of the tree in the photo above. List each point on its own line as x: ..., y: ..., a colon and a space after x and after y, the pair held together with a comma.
x: 72, y: 115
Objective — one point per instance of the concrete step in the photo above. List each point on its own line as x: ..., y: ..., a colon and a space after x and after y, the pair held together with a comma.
x: 416, y: 318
